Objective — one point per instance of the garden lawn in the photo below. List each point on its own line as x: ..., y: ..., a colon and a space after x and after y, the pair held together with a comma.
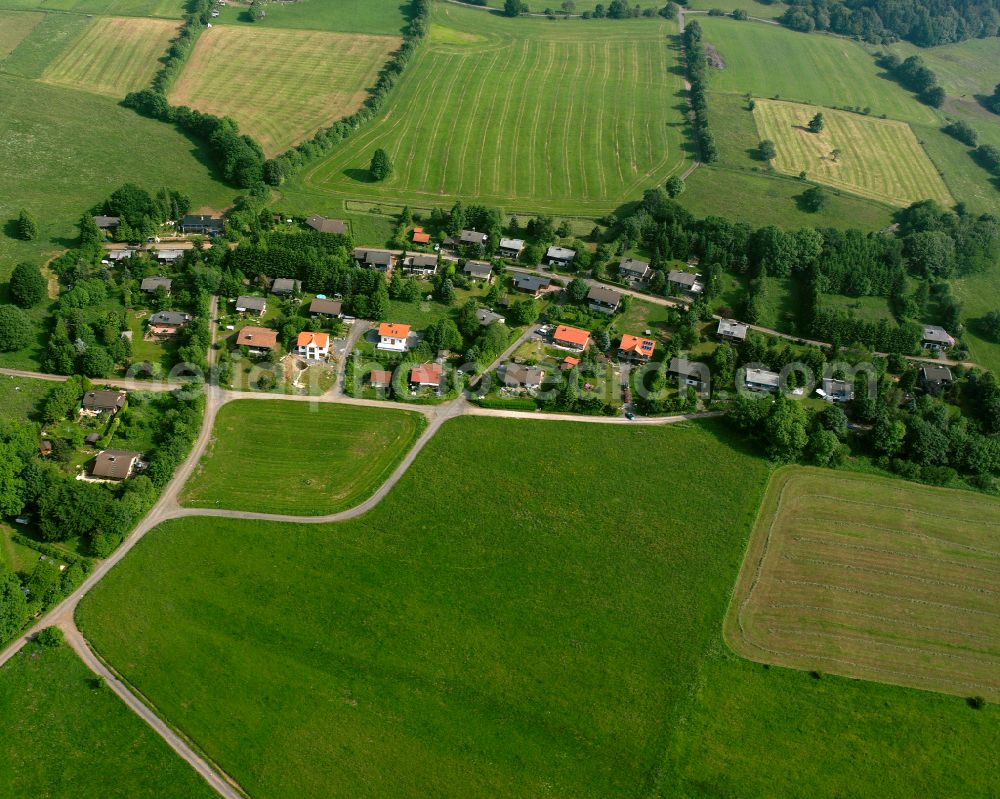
x: 64, y: 738
x: 594, y: 117
x: 505, y: 623
x: 281, y: 86
x: 115, y: 56
x: 298, y: 457
x: 876, y: 158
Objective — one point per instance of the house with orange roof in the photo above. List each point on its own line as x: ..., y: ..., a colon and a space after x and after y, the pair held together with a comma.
x: 568, y: 363
x: 380, y: 378
x: 420, y: 236
x: 571, y: 337
x: 426, y: 375
x: 257, y: 340
x: 314, y: 346
x: 393, y: 337
x: 635, y: 348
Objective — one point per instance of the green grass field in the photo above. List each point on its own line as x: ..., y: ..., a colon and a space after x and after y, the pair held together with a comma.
x: 979, y: 295
x: 297, y: 457
x: 15, y: 26
x: 53, y: 34
x: 20, y: 397
x: 504, y: 624
x: 281, y: 86
x: 526, y: 114
x: 875, y: 578
x: 116, y: 55
x: 386, y: 17
x: 65, y: 739
x: 171, y: 9
x: 876, y: 158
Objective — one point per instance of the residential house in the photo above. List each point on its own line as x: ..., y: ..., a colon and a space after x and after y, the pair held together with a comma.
x: 106, y: 222
x: 150, y: 284
x: 323, y: 225
x: 571, y: 337
x: 603, y: 300
x: 257, y: 306
x: 632, y: 270
x: 686, y: 282
x: 202, y: 223
x: 510, y: 248
x: 286, y: 287
x: 97, y: 402
x: 731, y: 330
x: 258, y: 340
x: 635, y: 348
x: 393, y: 337
x: 423, y: 265
x: 569, y: 362
x: 935, y: 378
x: 420, y: 236
x: 469, y: 237
x: 479, y: 271
x: 166, y: 324
x: 486, y: 317
x: 837, y: 390
x: 517, y: 375
x: 426, y: 375
x: 535, y: 285
x: 120, y: 254
x: 382, y: 260
x: 559, y: 256
x: 115, y: 464
x: 380, y: 378
x: 693, y: 374
x: 169, y: 255
x: 936, y: 338
x: 762, y: 380
x: 313, y: 346
x: 324, y: 308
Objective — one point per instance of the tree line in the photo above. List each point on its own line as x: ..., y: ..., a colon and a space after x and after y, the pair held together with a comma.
x: 697, y: 71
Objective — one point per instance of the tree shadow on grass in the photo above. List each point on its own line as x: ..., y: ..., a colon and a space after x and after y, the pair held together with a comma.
x: 11, y: 229
x: 360, y: 175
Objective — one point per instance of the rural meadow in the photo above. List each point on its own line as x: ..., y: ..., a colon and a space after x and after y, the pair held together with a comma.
x: 492, y: 398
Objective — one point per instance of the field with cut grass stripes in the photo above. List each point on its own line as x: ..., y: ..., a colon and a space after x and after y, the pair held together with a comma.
x: 298, y: 457
x: 876, y: 578
x: 523, y: 114
x: 281, y: 86
x: 115, y: 56
x: 875, y: 158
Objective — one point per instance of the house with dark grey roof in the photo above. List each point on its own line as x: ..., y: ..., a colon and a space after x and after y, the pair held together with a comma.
x: 382, y: 260
x: 935, y: 377
x: 480, y: 271
x: 168, y: 255
x: 517, y: 375
x: 837, y: 390
x: 326, y: 308
x: 120, y: 254
x: 603, y: 299
x: 762, y: 380
x: 486, y: 317
x: 473, y: 237
x: 510, y: 248
x: 686, y: 282
x: 731, y: 330
x: 424, y: 265
x: 536, y: 285
x: 690, y: 373
x: 98, y: 402
x: 251, y: 305
x: 559, y: 256
x: 286, y: 286
x: 106, y: 222
x: 115, y: 464
x: 631, y: 269
x: 323, y: 225
x: 936, y: 338
x: 202, y: 223
x: 165, y: 324
x: 151, y: 284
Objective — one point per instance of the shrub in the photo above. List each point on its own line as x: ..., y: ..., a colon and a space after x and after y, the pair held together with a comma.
x: 50, y: 637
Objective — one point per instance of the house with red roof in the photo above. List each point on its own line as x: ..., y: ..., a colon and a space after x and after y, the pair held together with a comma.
x: 426, y: 375
x: 635, y: 348
x: 314, y: 346
x: 571, y: 337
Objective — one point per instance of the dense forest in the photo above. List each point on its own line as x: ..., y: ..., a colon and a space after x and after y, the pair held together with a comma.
x: 924, y: 22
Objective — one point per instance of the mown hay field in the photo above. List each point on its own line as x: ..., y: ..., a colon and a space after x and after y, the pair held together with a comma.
x: 298, y: 457
x: 526, y: 114
x: 876, y: 158
x: 281, y: 86
x: 873, y: 578
x: 115, y: 55
x: 15, y: 26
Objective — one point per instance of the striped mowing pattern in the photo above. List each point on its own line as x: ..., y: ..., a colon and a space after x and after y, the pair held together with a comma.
x: 879, y: 159
x: 115, y: 55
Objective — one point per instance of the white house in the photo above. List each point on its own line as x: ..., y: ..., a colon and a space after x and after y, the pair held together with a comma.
x: 314, y: 346
x: 393, y: 337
